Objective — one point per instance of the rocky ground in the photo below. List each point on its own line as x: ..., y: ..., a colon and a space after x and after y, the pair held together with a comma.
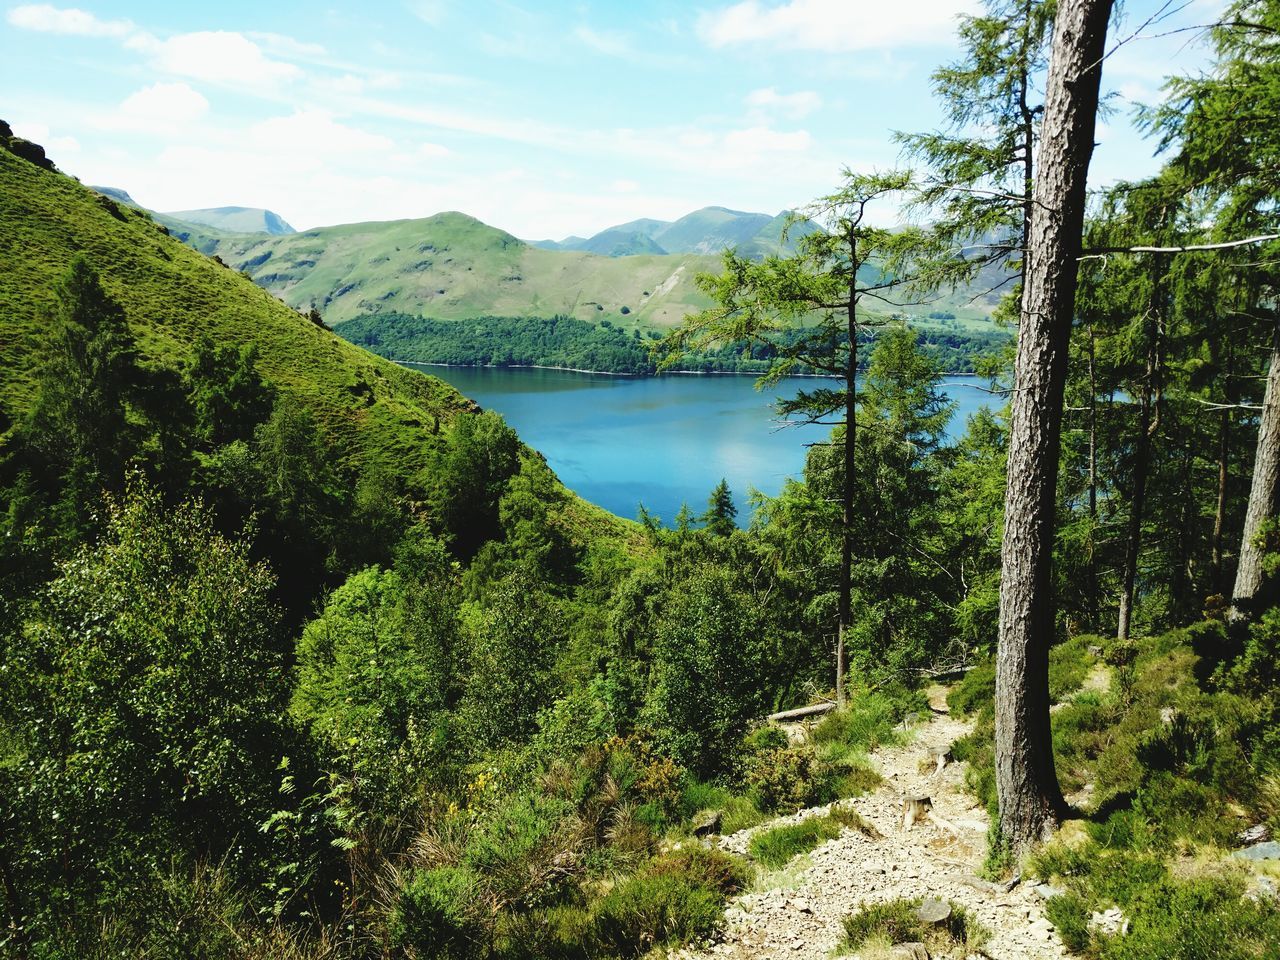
x: 797, y: 912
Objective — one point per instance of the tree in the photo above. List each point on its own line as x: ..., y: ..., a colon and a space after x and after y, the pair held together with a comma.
x: 148, y: 693
x: 467, y: 477
x: 228, y: 397
x: 1030, y: 799
x: 808, y: 310
x: 982, y: 166
x: 80, y: 419
x: 721, y: 511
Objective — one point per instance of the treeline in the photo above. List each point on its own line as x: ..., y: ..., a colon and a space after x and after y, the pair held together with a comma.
x: 561, y: 341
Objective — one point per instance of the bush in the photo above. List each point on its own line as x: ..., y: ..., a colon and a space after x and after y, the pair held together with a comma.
x: 775, y: 847
x: 976, y: 692
x: 1069, y: 914
x: 896, y: 921
x: 436, y: 915
x: 782, y: 780
x: 673, y: 899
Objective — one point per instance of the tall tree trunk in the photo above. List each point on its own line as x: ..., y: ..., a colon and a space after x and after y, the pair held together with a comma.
x: 845, y: 600
x: 1220, y: 508
x: 1263, y: 492
x: 1026, y: 782
x: 1137, y: 506
x: 1094, y: 616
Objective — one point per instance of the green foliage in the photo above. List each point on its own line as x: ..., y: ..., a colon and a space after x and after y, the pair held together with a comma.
x: 671, y: 900
x: 226, y: 393
x: 511, y: 644
x: 713, y: 651
x: 1069, y: 914
x: 721, y: 511
x: 776, y: 846
x: 437, y: 915
x: 148, y: 695
x: 468, y: 477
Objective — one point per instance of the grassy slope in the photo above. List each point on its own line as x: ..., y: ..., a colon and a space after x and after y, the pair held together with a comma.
x: 404, y: 265
x: 373, y: 410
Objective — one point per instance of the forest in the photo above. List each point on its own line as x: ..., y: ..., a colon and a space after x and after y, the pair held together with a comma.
x: 561, y: 341
x: 302, y: 656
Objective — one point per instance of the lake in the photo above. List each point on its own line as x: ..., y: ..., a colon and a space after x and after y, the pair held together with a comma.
x: 660, y: 441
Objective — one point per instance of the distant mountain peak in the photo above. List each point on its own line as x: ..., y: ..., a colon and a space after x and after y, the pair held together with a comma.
x: 236, y: 220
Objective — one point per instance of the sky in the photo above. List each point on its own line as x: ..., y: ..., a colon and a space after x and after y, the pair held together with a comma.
x: 544, y: 119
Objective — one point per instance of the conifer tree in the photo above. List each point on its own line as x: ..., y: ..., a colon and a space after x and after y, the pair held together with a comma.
x: 721, y: 511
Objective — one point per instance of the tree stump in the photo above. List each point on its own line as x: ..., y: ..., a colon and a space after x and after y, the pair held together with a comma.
x: 940, y: 754
x: 706, y: 822
x: 934, y: 911
x: 915, y: 809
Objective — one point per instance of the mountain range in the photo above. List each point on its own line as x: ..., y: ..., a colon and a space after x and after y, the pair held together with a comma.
x: 709, y: 230
x: 640, y: 275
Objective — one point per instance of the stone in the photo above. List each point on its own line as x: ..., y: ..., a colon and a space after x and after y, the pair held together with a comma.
x: 707, y: 822
x: 910, y: 951
x: 933, y: 911
x: 1270, y: 850
x: 1258, y: 833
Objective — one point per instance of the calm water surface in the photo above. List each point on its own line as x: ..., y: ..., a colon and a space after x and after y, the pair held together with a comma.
x: 660, y: 441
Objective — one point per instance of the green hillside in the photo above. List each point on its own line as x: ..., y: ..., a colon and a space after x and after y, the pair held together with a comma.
x: 375, y: 414
x: 452, y: 266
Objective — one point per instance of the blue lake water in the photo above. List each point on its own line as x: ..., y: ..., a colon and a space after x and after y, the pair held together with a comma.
x: 660, y: 441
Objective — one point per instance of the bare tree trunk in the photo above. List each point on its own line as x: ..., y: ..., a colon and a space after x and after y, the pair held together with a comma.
x: 1220, y: 508
x: 1263, y: 492
x: 1094, y: 615
x: 1137, y: 505
x: 1027, y: 784
x: 845, y: 600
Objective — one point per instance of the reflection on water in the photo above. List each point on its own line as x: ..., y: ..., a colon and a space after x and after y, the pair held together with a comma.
x: 660, y: 441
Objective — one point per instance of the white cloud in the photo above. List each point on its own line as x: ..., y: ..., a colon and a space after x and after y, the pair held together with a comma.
x: 315, y: 133
x: 433, y: 150
x: 428, y: 11
x: 47, y: 18
x: 41, y: 134
x: 624, y: 186
x: 283, y: 46
x: 161, y: 106
x: 796, y: 104
x: 217, y: 56
x: 832, y: 26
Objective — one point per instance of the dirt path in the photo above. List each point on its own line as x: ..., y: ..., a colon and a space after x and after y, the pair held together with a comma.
x: 797, y: 912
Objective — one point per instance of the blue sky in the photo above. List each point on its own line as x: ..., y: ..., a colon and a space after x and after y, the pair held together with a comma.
x: 544, y: 118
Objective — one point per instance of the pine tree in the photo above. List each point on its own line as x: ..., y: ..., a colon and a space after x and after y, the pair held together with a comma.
x: 721, y: 511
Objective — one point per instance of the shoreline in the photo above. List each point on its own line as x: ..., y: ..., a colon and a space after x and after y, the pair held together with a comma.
x: 629, y: 376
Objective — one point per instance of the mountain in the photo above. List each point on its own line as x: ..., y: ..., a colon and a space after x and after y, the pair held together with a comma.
x: 710, y: 230
x: 118, y: 195
x: 451, y: 266
x: 236, y: 220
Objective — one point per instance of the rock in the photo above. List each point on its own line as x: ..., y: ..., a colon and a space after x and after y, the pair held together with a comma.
x: 31, y: 152
x: 1260, y: 851
x: 1110, y: 922
x: 1258, y: 833
x: 1044, y: 890
x: 707, y: 822
x: 909, y: 951
x: 933, y: 911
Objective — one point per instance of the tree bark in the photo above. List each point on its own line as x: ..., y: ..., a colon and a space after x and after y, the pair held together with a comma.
x: 1262, y: 493
x: 1027, y: 785
x: 1094, y: 616
x: 845, y: 601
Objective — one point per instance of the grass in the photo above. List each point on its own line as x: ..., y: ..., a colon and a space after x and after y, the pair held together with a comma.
x: 896, y: 921
x: 1178, y: 765
x: 774, y: 848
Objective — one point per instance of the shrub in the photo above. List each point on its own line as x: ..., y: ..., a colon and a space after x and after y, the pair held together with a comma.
x: 1069, y: 914
x: 673, y: 899
x: 782, y: 779
x: 775, y: 847
x: 976, y: 692
x: 897, y: 922
x: 436, y: 915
